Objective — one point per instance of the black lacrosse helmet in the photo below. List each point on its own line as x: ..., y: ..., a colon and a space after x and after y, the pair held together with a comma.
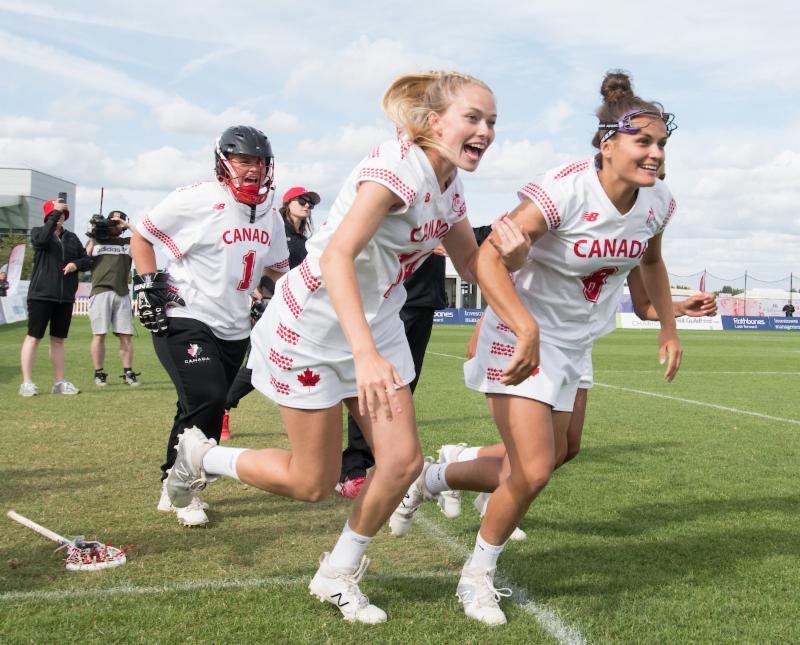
x: 244, y: 140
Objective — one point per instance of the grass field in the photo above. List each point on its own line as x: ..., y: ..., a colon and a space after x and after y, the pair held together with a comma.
x: 679, y: 522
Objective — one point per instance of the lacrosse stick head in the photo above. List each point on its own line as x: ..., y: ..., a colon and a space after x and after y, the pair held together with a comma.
x: 88, y: 555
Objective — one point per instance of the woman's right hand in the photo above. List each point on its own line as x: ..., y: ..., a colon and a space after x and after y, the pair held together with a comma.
x: 525, y: 360
x: 378, y: 382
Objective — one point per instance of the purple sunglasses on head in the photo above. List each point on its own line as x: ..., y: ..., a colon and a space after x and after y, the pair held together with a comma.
x: 625, y: 123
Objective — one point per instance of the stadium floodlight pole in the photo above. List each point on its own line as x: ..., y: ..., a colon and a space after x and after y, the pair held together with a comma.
x: 745, y: 292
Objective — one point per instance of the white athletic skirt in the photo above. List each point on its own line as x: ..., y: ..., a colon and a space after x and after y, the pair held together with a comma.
x: 555, y: 382
x: 293, y: 370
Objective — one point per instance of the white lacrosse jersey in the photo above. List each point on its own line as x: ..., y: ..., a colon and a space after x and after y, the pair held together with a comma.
x: 575, y: 273
x: 401, y: 244
x: 215, y: 256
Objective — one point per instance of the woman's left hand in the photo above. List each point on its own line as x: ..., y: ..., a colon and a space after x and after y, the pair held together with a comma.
x: 70, y: 267
x: 671, y: 352
x: 511, y: 242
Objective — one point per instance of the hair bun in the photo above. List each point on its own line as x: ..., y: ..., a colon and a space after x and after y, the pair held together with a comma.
x: 616, y: 86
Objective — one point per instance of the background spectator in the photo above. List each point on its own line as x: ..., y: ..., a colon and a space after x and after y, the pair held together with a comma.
x: 110, y: 302
x: 58, y: 256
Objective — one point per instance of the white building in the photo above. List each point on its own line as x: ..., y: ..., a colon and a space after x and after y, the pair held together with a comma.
x: 460, y: 293
x: 23, y: 192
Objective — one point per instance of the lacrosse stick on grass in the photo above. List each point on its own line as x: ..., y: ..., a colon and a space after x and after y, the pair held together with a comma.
x: 82, y: 554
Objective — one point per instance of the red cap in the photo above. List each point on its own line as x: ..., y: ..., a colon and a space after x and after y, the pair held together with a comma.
x: 299, y: 191
x: 47, y: 207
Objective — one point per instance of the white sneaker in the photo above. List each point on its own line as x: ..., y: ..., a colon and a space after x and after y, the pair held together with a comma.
x: 340, y: 587
x: 164, y: 502
x: 187, y: 477
x: 165, y: 505
x: 450, y: 500
x: 476, y: 591
x: 192, y: 515
x: 517, y: 535
x: 403, y: 516
x: 65, y: 387
x: 28, y: 388
x: 480, y: 503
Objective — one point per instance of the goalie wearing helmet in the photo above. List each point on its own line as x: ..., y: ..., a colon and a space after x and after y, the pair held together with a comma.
x: 218, y: 239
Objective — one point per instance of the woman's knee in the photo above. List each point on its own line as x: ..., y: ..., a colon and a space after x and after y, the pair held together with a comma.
x: 314, y: 491
x: 532, y: 479
x: 401, y: 469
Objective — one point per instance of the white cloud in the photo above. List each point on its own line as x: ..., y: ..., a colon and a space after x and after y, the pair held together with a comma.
x: 363, y: 66
x: 350, y: 142
x: 23, y: 127
x: 556, y: 115
x: 281, y: 122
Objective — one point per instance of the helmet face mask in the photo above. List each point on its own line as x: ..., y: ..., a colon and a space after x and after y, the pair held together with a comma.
x: 245, y: 140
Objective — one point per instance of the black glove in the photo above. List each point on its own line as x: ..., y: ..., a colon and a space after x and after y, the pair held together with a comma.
x: 257, y: 308
x: 152, y: 297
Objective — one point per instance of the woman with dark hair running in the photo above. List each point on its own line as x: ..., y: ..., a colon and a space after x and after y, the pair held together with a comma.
x: 591, y: 221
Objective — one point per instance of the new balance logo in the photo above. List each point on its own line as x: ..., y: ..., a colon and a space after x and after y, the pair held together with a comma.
x: 590, y: 217
x: 339, y: 599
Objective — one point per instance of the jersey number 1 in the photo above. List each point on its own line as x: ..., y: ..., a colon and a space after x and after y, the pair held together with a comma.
x: 593, y: 284
x: 249, y: 261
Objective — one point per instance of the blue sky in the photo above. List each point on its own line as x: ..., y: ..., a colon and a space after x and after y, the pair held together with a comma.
x: 131, y: 96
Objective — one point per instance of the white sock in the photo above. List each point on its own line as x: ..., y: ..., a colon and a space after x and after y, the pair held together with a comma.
x: 485, y: 555
x: 435, y: 480
x: 222, y: 461
x: 349, y: 549
x: 469, y: 453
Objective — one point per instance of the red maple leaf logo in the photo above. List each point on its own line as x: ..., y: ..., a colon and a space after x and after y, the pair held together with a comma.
x: 308, y: 378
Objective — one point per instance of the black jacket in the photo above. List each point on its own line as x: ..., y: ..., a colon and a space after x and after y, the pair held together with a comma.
x: 51, y: 255
x: 296, y: 243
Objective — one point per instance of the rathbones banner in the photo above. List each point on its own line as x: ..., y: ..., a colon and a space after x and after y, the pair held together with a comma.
x: 761, y: 323
x: 457, y: 316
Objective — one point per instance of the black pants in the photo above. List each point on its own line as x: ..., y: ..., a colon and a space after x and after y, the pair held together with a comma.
x: 242, y: 386
x: 201, y: 367
x: 357, y: 457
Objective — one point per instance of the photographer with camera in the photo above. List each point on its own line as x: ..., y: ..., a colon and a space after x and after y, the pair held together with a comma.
x: 110, y: 302
x: 58, y: 256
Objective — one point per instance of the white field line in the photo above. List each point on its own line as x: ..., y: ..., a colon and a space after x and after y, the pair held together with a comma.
x: 724, y: 408
x: 563, y: 633
x: 690, y: 372
x: 461, y: 358
x: 192, y: 585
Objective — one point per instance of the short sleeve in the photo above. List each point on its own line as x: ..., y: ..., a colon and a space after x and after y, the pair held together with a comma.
x: 278, y: 255
x: 668, y: 210
x: 554, y: 191
x: 392, y: 165
x: 173, y: 224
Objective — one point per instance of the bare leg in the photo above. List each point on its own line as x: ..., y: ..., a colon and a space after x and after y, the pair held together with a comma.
x: 126, y: 351
x: 98, y: 349
x: 398, y: 462
x: 528, y: 429
x: 57, y: 357
x: 575, y: 430
x: 27, y: 357
x: 310, y: 469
